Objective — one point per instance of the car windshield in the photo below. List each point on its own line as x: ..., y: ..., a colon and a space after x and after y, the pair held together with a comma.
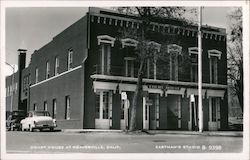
x: 42, y: 114
x: 18, y: 113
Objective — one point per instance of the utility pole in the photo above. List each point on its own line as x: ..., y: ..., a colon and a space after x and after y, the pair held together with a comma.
x: 12, y: 84
x: 200, y: 108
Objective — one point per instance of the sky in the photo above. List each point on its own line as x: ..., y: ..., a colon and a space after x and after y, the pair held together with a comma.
x: 31, y: 28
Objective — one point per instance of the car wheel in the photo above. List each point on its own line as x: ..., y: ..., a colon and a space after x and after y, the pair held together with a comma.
x: 11, y: 127
x: 31, y: 129
x: 21, y: 127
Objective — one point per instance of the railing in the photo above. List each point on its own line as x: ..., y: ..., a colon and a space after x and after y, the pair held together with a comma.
x: 160, y: 75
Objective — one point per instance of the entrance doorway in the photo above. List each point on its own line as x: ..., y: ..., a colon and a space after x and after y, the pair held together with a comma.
x: 214, y: 114
x: 103, y: 119
x: 124, y: 122
x: 193, y: 114
x: 145, y: 110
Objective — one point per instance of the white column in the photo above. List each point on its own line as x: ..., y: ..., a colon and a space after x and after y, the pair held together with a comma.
x: 143, y: 112
x: 101, y: 105
x: 179, y: 111
x: 200, y: 110
x: 110, y: 108
x: 102, y: 65
x: 218, y: 112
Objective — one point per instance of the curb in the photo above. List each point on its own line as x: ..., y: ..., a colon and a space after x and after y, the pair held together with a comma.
x: 207, y: 133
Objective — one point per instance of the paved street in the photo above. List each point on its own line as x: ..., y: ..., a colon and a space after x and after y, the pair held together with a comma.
x: 61, y: 142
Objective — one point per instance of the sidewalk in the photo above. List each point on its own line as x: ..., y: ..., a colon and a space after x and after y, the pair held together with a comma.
x: 153, y: 132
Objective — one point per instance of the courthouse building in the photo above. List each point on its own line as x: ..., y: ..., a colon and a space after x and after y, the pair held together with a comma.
x: 86, y: 76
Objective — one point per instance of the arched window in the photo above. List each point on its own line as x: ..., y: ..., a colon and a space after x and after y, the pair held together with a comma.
x: 128, y: 46
x: 105, y: 42
x: 151, y: 62
x: 214, y: 55
x: 174, y: 50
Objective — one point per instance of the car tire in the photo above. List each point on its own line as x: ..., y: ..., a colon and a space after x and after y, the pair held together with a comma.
x: 11, y: 127
x: 21, y: 127
x: 31, y: 129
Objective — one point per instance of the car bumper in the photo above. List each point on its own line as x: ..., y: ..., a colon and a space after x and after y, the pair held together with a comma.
x: 40, y: 126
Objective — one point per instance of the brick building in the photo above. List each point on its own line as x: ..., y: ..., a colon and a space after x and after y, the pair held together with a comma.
x: 80, y: 75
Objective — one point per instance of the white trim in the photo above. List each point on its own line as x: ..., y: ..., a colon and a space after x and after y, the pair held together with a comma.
x: 129, y: 58
x: 176, y: 92
x: 61, y: 74
x: 145, y: 80
x: 174, y: 48
x: 214, y: 52
x: 106, y: 39
x: 215, y: 93
x: 129, y: 42
x: 194, y: 91
x: 193, y: 50
x: 156, y: 45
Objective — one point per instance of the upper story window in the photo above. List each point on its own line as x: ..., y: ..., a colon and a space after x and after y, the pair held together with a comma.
x: 35, y: 107
x: 193, y: 53
x: 47, y: 70
x: 56, y: 66
x: 128, y: 46
x: 70, y: 59
x: 36, y: 75
x: 152, y: 60
x: 214, y: 56
x: 25, y: 83
x: 174, y: 50
x: 106, y: 42
x: 45, y: 106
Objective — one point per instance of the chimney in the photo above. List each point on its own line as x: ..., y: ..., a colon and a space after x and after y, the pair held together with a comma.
x: 21, y: 66
x: 21, y: 58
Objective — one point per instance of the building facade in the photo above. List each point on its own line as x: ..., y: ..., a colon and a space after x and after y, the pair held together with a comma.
x: 86, y: 76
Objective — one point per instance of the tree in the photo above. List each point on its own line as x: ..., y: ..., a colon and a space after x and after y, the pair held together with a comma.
x: 144, y: 51
x: 235, y: 54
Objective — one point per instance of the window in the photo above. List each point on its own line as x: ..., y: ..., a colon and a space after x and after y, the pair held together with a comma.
x: 129, y: 46
x: 36, y: 75
x: 54, y: 108
x: 67, y: 107
x: 213, y: 70
x: 34, y: 107
x: 173, y: 51
x: 214, y: 55
x: 151, y: 62
x: 105, y: 105
x: 47, y: 70
x: 56, y: 66
x: 129, y: 66
x: 97, y: 106
x: 213, y: 109
x: 106, y: 43
x: 194, y: 68
x: 122, y: 109
x: 70, y: 59
x: 105, y: 58
x: 45, y: 106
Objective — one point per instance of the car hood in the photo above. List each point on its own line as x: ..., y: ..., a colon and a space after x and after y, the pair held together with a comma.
x: 42, y: 118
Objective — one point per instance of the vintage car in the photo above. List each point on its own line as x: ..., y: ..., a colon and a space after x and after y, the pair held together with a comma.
x: 38, y: 120
x: 13, y: 120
